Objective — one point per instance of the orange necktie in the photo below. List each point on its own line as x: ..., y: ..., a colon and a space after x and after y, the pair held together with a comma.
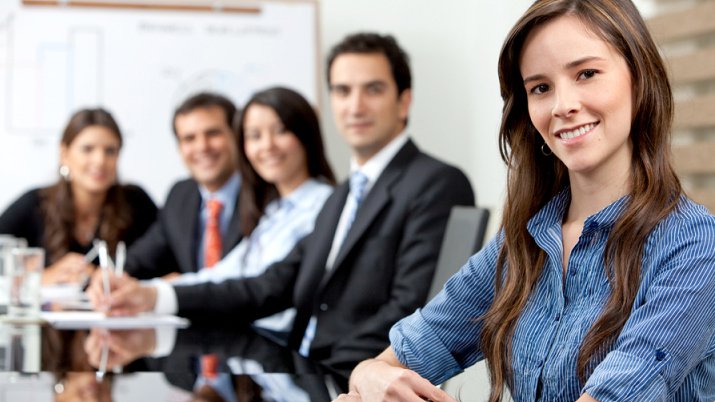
x: 212, y: 245
x: 209, y: 366
x: 212, y: 253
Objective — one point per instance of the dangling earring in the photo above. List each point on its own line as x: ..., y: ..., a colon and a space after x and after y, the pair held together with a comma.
x: 65, y: 172
x: 546, y: 150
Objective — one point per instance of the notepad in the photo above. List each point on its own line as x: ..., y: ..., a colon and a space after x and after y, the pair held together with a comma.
x: 93, y: 319
x: 63, y: 292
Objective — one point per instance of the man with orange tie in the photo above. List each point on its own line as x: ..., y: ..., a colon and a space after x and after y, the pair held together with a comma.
x: 199, y: 222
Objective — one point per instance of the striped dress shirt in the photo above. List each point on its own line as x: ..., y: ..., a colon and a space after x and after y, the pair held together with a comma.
x: 665, y: 352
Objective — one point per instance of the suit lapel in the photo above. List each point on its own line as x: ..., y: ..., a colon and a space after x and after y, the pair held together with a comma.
x: 323, y: 236
x: 187, y: 223
x: 233, y: 232
x: 332, y: 211
x: 377, y: 199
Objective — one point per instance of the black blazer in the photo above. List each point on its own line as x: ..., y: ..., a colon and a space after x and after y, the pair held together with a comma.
x: 170, y: 245
x: 382, y: 273
x: 25, y: 218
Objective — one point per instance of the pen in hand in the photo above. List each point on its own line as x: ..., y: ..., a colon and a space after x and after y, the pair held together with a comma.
x: 104, y: 266
x: 92, y: 253
x: 88, y: 258
x: 121, y: 257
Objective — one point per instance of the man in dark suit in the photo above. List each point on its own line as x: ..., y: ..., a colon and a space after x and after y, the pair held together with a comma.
x: 175, y: 243
x: 372, y: 255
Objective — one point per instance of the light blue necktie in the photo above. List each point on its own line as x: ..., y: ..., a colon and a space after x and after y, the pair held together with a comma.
x: 358, y: 182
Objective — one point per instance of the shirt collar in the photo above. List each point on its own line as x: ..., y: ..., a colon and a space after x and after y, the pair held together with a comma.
x: 553, y: 214
x: 375, y: 165
x: 301, y: 197
x: 226, y: 194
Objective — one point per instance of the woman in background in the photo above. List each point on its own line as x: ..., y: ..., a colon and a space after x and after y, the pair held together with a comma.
x: 86, y: 203
x: 601, y: 284
x: 286, y: 179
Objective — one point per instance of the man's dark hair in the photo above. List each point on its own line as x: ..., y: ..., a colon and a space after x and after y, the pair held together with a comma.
x: 366, y: 42
x: 205, y: 100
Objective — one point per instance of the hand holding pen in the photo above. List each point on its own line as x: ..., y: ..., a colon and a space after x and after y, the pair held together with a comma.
x: 117, y: 294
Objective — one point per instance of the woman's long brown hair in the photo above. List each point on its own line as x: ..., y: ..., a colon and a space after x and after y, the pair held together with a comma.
x: 533, y: 179
x: 57, y: 202
x: 298, y: 117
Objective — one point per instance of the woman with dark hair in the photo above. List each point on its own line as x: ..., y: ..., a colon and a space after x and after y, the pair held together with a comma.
x: 286, y: 179
x: 86, y: 203
x: 600, y: 285
x: 288, y: 113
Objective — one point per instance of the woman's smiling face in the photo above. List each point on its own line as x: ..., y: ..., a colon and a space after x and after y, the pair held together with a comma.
x: 579, y: 96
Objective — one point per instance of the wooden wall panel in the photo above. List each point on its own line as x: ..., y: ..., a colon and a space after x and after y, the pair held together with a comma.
x: 684, y: 24
x: 689, y: 35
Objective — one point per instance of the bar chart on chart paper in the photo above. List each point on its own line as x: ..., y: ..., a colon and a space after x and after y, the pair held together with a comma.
x: 47, y: 76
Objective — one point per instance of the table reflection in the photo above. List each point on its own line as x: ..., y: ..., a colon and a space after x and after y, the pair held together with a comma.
x: 42, y: 363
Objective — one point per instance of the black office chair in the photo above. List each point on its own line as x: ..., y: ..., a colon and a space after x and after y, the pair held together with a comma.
x: 463, y: 237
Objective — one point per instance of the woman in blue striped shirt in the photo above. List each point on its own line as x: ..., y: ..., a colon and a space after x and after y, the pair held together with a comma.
x: 601, y: 284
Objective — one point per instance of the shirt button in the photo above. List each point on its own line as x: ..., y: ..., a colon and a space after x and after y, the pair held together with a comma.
x: 593, y: 225
x: 323, y: 307
x: 659, y: 355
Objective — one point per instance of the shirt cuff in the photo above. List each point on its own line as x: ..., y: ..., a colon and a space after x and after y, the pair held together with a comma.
x: 166, y: 302
x: 625, y: 377
x: 418, y: 348
x: 165, y: 340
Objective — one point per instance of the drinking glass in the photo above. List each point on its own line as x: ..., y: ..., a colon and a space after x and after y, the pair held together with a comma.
x: 7, y: 243
x: 26, y: 265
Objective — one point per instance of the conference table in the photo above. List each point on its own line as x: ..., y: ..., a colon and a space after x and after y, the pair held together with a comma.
x: 41, y: 362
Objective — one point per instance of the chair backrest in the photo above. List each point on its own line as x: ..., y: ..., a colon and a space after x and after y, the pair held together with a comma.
x: 463, y: 237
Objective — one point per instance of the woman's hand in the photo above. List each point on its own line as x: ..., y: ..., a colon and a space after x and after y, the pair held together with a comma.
x: 385, y: 379
x: 72, y: 268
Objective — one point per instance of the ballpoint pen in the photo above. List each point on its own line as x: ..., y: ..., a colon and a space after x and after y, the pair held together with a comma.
x: 88, y: 258
x: 121, y: 257
x: 92, y: 253
x: 104, y: 266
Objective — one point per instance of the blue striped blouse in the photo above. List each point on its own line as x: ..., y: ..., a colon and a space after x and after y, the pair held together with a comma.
x: 666, y: 351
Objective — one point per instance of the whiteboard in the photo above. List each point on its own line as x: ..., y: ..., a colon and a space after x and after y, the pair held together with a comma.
x: 139, y: 63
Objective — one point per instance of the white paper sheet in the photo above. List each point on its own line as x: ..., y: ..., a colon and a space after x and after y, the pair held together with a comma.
x: 93, y: 319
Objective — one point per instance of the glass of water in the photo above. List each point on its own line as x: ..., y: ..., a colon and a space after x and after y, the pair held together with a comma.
x: 26, y: 265
x: 7, y: 244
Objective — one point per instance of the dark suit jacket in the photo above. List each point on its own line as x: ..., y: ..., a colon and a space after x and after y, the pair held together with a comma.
x: 382, y: 273
x: 170, y: 245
